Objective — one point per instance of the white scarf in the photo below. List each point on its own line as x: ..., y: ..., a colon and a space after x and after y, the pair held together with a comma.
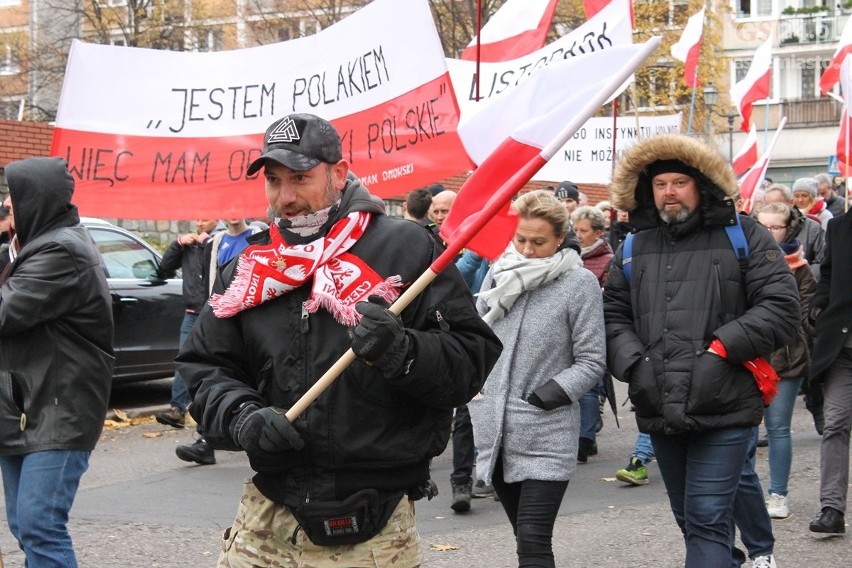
x: 514, y: 274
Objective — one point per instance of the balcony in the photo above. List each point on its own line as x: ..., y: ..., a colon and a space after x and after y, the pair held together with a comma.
x: 800, y: 113
x: 810, y: 29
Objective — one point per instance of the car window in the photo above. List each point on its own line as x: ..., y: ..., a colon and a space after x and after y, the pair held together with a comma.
x: 123, y: 256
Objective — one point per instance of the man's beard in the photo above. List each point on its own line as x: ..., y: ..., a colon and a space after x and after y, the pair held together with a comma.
x: 672, y: 218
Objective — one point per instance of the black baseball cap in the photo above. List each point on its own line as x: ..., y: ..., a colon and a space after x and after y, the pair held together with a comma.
x: 299, y: 141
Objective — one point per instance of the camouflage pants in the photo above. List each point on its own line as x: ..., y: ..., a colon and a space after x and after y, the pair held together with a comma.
x: 263, y: 536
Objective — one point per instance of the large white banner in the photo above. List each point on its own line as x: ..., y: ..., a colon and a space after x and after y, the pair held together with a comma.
x: 609, y: 27
x: 588, y: 157
x: 168, y: 135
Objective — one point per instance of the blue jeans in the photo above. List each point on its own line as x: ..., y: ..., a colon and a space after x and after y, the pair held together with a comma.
x: 750, y: 514
x: 531, y: 506
x: 39, y: 489
x: 777, y: 418
x: 702, y: 471
x: 590, y: 404
x: 643, y: 449
x: 180, y: 397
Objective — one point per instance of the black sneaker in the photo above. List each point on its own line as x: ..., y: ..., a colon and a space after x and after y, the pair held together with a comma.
x: 461, y: 497
x: 200, y: 452
x: 829, y: 521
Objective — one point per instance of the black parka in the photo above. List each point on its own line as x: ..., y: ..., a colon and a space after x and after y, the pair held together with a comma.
x: 688, y: 288
x: 56, y: 326
x: 365, y: 431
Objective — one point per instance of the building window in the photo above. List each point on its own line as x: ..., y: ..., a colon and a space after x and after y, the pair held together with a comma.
x: 809, y: 82
x: 10, y: 108
x: 113, y: 3
x: 208, y: 40
x: 10, y: 63
x: 118, y: 39
x: 295, y: 28
x: 753, y: 8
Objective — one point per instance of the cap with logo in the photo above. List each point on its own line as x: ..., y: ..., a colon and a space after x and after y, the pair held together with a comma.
x: 300, y: 142
x: 567, y: 190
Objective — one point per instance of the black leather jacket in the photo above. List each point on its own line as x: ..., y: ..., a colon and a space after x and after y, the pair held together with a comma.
x: 56, y: 327
x: 365, y: 431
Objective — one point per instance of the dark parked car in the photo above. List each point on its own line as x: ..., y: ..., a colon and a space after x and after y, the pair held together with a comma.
x: 148, y: 309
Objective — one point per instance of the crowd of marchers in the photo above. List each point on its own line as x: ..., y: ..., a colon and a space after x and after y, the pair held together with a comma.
x: 717, y: 312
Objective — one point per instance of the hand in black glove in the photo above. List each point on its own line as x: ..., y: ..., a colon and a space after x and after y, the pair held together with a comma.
x: 266, y: 429
x: 549, y: 396
x: 380, y: 339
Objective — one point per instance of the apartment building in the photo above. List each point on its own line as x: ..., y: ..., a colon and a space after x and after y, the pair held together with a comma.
x: 805, y: 35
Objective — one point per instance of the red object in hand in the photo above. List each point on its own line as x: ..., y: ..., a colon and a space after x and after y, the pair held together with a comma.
x: 764, y: 375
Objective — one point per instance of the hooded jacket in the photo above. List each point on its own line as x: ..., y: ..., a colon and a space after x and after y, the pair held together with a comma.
x: 364, y: 431
x: 56, y: 324
x: 688, y: 288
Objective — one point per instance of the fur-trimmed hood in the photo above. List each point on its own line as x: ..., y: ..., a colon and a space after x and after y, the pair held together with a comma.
x: 631, y: 185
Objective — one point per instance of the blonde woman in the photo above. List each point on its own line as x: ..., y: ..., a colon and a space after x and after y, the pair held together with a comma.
x: 547, y: 311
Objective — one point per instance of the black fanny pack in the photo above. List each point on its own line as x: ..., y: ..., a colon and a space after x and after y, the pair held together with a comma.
x: 357, y: 519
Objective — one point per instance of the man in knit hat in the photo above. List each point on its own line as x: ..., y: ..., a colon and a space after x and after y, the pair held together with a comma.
x: 568, y: 193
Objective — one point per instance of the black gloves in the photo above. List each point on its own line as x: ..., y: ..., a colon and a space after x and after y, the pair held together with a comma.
x: 549, y: 396
x: 266, y: 429
x: 380, y: 339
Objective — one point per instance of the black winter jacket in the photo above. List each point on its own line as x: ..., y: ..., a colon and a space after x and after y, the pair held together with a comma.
x: 833, y: 299
x: 688, y: 288
x: 56, y: 325
x: 190, y: 259
x: 364, y: 431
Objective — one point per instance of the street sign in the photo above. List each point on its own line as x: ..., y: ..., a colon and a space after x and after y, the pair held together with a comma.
x: 833, y: 168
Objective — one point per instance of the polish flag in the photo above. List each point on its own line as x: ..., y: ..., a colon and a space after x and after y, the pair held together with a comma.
x: 843, y: 141
x: 687, y: 49
x: 756, y: 84
x: 592, y: 7
x: 831, y: 75
x: 519, y: 27
x: 514, y: 134
x: 755, y: 175
x: 747, y: 156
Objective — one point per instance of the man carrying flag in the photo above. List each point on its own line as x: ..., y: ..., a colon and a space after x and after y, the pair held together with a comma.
x: 341, y: 480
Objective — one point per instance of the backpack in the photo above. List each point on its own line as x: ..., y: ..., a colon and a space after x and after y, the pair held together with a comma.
x: 735, y: 234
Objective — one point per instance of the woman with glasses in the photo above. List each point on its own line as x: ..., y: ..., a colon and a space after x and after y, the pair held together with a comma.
x: 791, y: 362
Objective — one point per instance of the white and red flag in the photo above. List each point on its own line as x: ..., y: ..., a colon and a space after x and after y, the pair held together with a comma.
x: 755, y: 175
x: 592, y: 7
x: 155, y: 134
x: 831, y: 75
x: 756, y: 84
x: 514, y: 135
x: 843, y: 141
x: 688, y: 48
x: 747, y: 156
x: 519, y: 27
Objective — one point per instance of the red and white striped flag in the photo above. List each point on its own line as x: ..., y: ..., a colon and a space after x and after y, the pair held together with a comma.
x: 688, y: 47
x: 592, y: 7
x: 831, y: 75
x: 514, y: 134
x: 755, y: 175
x: 519, y: 27
x: 843, y: 142
x: 756, y: 84
x: 747, y: 156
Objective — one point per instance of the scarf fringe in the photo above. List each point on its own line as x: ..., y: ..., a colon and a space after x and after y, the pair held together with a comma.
x: 230, y: 303
x: 388, y: 290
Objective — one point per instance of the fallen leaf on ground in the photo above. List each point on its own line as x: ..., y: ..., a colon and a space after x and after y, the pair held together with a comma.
x: 444, y: 547
x: 152, y: 435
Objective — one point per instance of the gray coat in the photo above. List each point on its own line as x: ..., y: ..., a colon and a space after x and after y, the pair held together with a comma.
x: 553, y: 332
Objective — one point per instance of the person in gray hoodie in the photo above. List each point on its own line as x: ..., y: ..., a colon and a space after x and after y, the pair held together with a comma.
x: 547, y: 311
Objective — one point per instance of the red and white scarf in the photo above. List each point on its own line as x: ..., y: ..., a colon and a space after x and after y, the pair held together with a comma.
x: 341, y: 279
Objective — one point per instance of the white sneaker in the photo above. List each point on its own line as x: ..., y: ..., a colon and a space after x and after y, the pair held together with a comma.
x: 777, y: 507
x: 765, y: 561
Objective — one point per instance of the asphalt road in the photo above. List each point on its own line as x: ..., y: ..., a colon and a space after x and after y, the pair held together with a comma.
x: 139, y: 506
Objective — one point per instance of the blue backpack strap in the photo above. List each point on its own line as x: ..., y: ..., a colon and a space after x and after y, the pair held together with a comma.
x: 627, y: 257
x: 739, y: 243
